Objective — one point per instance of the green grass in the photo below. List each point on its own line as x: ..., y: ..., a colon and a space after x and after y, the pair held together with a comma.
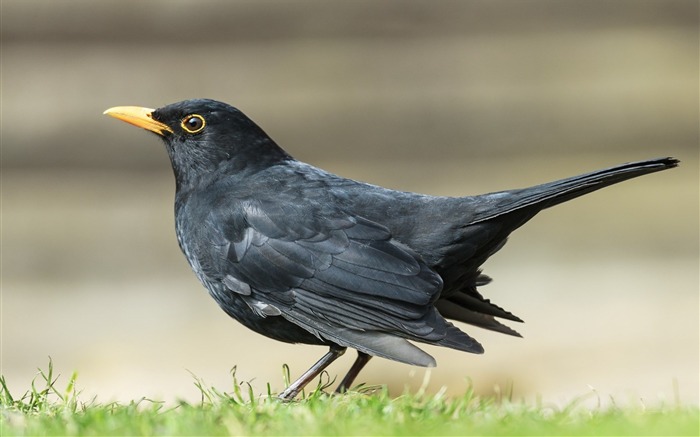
x: 47, y: 410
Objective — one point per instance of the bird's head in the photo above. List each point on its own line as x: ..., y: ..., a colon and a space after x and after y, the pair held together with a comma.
x: 205, y: 137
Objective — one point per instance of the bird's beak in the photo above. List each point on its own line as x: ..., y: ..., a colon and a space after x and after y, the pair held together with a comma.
x: 140, y: 117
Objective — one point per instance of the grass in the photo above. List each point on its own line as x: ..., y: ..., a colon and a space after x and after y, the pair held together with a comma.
x: 46, y: 409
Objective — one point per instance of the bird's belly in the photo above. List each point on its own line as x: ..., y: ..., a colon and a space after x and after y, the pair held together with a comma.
x: 275, y: 327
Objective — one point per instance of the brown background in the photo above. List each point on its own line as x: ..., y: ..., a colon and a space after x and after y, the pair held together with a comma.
x: 445, y: 98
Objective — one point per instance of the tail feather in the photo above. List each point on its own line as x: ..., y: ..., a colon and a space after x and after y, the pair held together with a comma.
x: 554, y: 193
x: 473, y: 301
x: 456, y: 339
x: 454, y: 311
x: 496, y: 216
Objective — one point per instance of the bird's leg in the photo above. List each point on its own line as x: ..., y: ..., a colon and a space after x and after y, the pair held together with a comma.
x: 360, y: 362
x: 294, y: 388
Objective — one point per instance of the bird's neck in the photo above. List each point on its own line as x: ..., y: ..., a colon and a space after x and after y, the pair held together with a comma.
x: 199, y: 178
x: 196, y: 171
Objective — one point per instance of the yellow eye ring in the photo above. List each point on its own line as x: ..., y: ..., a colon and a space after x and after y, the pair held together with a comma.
x: 193, y: 123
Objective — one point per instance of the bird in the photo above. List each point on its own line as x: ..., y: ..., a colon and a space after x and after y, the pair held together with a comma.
x: 301, y: 255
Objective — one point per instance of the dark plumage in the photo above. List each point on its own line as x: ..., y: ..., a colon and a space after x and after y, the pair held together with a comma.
x: 301, y: 255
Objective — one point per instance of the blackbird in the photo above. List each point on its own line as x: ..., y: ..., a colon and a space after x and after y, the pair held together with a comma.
x: 304, y: 256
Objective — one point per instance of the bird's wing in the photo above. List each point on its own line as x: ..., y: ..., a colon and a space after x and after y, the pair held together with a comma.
x: 341, y: 277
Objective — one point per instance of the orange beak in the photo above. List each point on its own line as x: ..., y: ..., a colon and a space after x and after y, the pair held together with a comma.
x: 140, y: 117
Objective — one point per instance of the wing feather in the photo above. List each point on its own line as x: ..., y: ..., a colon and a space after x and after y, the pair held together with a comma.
x: 340, y: 277
x: 381, y: 255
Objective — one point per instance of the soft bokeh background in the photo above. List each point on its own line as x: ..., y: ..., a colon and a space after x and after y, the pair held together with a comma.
x: 446, y: 98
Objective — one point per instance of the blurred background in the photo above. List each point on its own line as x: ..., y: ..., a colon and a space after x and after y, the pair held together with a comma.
x: 445, y: 98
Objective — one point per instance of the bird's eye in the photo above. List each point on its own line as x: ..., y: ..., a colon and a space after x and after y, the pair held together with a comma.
x: 193, y: 123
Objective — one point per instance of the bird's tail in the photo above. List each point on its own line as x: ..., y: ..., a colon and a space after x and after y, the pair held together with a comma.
x: 554, y: 193
x: 505, y: 211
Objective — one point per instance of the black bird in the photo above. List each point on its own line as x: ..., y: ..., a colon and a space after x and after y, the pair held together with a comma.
x: 304, y: 256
